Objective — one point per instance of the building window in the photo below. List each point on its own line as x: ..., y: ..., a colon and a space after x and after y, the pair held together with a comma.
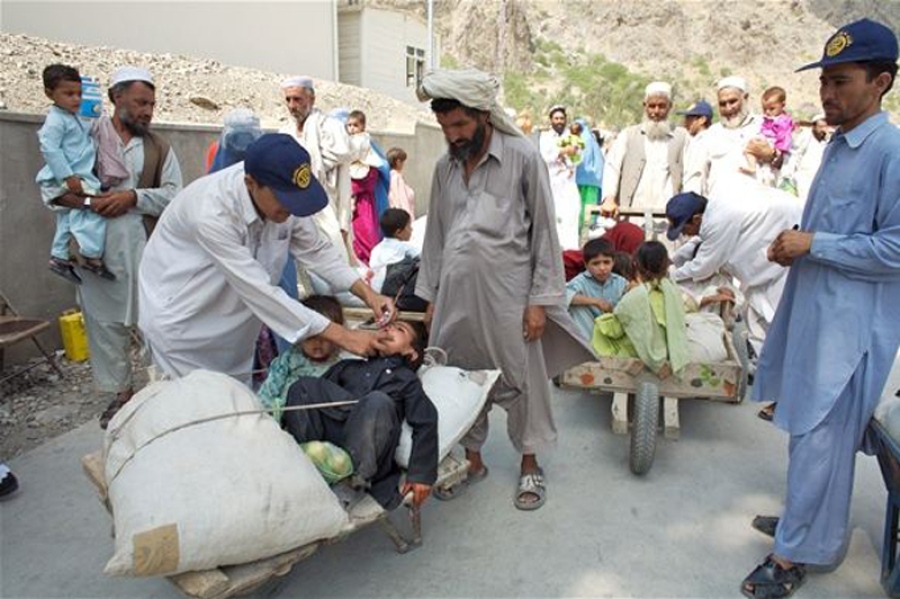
x: 415, y: 66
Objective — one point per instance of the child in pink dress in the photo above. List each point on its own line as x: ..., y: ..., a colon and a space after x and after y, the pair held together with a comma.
x: 401, y: 195
x: 777, y: 127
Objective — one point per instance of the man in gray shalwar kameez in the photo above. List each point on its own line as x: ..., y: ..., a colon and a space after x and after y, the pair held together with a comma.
x: 492, y: 269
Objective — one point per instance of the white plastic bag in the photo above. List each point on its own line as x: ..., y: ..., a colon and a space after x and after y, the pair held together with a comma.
x: 458, y: 395
x: 197, y: 496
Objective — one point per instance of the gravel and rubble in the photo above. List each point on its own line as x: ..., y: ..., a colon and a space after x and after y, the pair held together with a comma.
x: 38, y: 404
x: 192, y: 90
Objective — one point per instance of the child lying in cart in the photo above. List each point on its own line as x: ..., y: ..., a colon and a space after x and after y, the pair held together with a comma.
x: 387, y: 392
x: 310, y: 357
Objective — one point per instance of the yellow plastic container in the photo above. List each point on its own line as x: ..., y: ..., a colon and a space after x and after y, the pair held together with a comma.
x: 74, y: 336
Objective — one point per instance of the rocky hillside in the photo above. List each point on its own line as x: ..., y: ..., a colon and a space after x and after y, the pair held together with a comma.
x: 192, y: 90
x: 569, y: 50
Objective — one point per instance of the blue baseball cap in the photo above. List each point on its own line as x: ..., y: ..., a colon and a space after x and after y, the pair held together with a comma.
x: 682, y: 208
x: 861, y: 41
x: 278, y: 162
x: 698, y: 108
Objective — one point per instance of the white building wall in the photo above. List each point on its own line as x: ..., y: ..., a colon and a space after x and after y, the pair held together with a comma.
x: 349, y: 47
x: 286, y: 37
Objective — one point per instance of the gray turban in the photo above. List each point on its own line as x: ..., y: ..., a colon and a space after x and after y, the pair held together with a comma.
x: 471, y: 88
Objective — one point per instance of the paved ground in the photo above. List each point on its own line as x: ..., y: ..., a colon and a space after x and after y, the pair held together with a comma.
x: 681, y: 531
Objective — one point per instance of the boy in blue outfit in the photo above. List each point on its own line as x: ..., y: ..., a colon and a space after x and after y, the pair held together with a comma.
x: 596, y: 290
x: 70, y: 155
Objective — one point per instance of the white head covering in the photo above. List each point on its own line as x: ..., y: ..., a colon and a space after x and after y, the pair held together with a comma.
x: 733, y: 81
x: 471, y: 88
x: 658, y: 88
x: 123, y: 74
x: 304, y: 82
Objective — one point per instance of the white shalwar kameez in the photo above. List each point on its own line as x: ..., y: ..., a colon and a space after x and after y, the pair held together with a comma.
x: 735, y: 234
x: 566, y: 199
x: 209, y: 278
x: 328, y: 144
x: 718, y: 155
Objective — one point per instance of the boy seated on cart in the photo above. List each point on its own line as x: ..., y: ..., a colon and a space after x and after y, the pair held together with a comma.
x: 597, y: 290
x: 649, y: 321
x: 387, y: 392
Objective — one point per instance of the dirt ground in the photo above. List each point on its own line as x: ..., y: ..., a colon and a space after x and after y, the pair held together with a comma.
x: 37, y: 405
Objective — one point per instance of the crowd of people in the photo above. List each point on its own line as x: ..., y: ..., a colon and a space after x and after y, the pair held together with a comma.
x: 209, y: 272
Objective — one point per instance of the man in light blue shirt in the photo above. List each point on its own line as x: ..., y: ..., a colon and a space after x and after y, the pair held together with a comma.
x: 837, y: 328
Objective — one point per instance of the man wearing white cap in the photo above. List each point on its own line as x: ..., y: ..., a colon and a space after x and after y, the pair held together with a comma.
x: 131, y: 207
x: 645, y: 164
x: 720, y: 153
x: 566, y: 198
x: 328, y: 145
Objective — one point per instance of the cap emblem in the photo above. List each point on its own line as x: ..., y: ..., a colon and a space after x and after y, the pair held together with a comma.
x: 837, y: 44
x: 302, y: 176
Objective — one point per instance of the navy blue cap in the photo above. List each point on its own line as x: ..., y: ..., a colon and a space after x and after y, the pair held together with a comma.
x: 680, y: 209
x: 861, y: 41
x: 698, y: 108
x: 278, y: 162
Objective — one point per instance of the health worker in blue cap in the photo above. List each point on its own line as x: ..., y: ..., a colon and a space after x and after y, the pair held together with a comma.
x: 837, y: 329
x: 209, y: 277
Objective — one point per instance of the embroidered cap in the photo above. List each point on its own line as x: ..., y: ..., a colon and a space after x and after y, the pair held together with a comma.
x: 278, y: 162
x: 124, y: 74
x: 699, y: 108
x: 861, y: 41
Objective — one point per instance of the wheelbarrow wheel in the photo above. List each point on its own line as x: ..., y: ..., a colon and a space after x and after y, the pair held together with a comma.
x: 739, y: 338
x: 643, y: 431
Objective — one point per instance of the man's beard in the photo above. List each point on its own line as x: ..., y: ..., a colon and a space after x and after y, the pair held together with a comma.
x: 464, y: 150
x: 300, y: 115
x: 656, y: 130
x: 559, y: 128
x: 733, y: 122
x: 136, y: 128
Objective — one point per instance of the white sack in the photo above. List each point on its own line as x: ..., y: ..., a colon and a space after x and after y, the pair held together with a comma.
x: 223, y: 492
x: 705, y: 338
x: 459, y: 395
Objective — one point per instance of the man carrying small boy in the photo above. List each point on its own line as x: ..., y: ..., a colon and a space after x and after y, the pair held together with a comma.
x: 388, y: 392
x: 596, y: 290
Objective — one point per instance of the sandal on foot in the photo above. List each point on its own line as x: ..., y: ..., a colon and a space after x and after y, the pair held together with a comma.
x: 113, y: 408
x: 99, y: 269
x: 448, y: 493
x: 765, y: 525
x: 770, y: 581
x: 64, y: 269
x: 531, y: 484
x: 768, y: 412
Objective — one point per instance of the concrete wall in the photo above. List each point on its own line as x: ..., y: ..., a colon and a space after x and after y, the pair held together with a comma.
x: 285, y: 37
x: 26, y: 227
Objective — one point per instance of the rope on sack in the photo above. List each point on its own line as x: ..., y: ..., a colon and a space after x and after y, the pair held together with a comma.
x: 315, y: 406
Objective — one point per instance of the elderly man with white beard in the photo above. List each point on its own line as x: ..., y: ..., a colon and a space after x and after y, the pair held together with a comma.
x: 720, y: 153
x: 645, y: 164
